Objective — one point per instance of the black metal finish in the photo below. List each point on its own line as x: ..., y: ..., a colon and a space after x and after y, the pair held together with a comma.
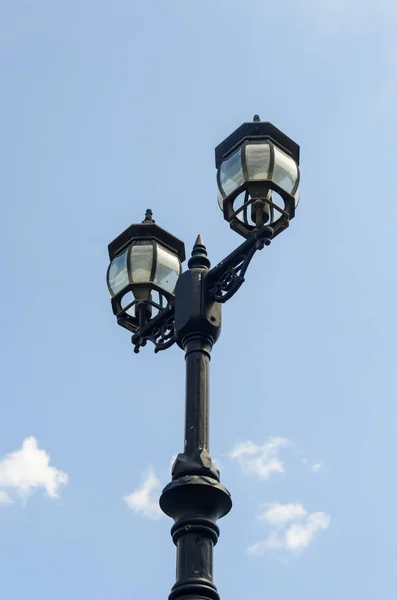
x: 228, y: 276
x: 192, y: 318
x: 159, y: 331
x: 142, y: 307
x: 195, y: 498
x: 138, y: 312
x: 251, y: 131
x: 258, y: 194
x: 147, y: 230
x: 199, y: 292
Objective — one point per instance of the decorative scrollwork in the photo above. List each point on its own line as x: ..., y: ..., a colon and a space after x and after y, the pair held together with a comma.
x: 229, y: 275
x: 159, y: 331
x: 223, y: 282
x: 231, y: 279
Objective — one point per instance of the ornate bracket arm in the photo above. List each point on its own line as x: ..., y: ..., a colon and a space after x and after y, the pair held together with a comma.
x: 228, y: 276
x: 159, y: 331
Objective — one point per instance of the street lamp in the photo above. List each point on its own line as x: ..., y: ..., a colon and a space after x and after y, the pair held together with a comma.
x: 258, y: 178
x: 258, y: 182
x: 145, y: 266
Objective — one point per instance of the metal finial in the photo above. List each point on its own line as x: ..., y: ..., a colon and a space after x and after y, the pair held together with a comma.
x: 148, y: 217
x: 256, y: 119
x: 199, y: 257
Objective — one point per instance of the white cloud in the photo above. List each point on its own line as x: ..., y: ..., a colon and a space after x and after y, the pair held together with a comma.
x: 299, y: 535
x: 272, y: 542
x: 260, y: 461
x: 28, y: 469
x: 317, y: 467
x: 280, y: 514
x: 4, y: 498
x: 292, y: 528
x: 144, y: 499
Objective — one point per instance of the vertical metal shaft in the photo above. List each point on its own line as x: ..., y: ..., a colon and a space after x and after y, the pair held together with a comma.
x: 195, y: 498
x: 197, y: 354
x: 195, y: 501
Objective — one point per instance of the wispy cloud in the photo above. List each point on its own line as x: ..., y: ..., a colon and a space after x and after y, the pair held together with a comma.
x: 144, y: 499
x: 280, y: 514
x: 5, y: 498
x: 292, y: 528
x: 316, y: 467
x: 260, y: 461
x: 28, y: 469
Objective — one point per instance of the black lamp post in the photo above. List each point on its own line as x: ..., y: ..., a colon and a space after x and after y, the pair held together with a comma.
x: 258, y: 181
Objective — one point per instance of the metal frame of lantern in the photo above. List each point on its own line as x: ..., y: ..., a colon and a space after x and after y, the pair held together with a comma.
x: 152, y: 234
x: 258, y: 193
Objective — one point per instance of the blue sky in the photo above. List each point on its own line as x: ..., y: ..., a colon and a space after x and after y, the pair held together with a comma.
x: 108, y: 108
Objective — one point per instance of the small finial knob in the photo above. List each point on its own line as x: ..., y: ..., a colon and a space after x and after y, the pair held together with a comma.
x: 148, y: 217
x: 256, y: 119
x: 199, y: 257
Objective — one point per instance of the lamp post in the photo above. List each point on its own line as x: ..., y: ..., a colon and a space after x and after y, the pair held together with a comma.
x: 258, y: 182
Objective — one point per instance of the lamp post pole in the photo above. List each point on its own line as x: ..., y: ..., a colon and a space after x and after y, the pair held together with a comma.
x: 195, y: 498
x: 258, y: 181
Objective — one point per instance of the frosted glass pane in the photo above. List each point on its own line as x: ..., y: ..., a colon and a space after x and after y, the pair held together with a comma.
x: 258, y: 160
x: 297, y: 197
x: 231, y: 173
x: 127, y: 299
x: 285, y: 171
x: 167, y: 270
x: 141, y: 262
x: 117, y: 275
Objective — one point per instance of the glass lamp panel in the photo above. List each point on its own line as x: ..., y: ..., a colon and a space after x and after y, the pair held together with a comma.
x: 117, y: 275
x: 297, y: 196
x: 231, y: 173
x: 168, y: 269
x: 127, y: 299
x: 278, y: 202
x: 257, y: 157
x: 285, y: 171
x: 141, y: 261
